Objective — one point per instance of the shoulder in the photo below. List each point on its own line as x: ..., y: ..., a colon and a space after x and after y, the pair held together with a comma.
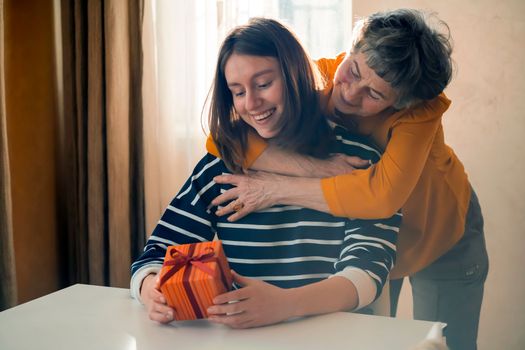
x: 431, y: 110
x: 210, y: 166
x: 200, y: 185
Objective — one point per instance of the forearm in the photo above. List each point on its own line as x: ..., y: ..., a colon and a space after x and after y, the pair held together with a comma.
x: 279, y: 161
x: 330, y: 295
x: 300, y: 191
x: 368, y: 254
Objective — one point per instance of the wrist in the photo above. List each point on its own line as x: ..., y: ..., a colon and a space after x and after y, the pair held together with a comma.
x: 300, y: 191
x: 293, y: 306
x: 325, y: 169
x: 282, y: 191
x: 146, y: 282
x: 316, y: 167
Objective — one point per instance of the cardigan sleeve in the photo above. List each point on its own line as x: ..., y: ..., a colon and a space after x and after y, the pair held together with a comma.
x: 382, y: 189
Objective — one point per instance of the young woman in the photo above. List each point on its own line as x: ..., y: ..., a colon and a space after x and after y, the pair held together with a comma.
x: 396, y: 61
x: 289, y: 261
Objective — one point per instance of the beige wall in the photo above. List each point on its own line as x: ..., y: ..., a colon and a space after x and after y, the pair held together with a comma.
x: 486, y: 126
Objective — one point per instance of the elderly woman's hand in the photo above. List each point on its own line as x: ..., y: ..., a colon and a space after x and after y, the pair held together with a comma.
x: 253, y: 191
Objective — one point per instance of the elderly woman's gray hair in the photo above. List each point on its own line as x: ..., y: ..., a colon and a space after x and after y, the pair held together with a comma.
x: 404, y: 50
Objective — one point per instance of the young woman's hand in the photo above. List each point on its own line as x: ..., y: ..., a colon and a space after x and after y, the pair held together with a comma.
x: 257, y: 303
x: 253, y: 191
x: 158, y: 309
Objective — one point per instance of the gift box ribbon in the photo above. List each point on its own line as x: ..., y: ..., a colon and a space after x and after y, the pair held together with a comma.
x: 180, y: 260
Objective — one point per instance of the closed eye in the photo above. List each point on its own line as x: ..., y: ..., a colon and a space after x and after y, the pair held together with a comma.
x: 265, y: 85
x: 354, y: 74
x: 374, y: 95
x: 354, y: 69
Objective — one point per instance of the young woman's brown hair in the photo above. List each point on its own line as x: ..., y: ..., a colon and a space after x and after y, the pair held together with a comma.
x: 303, y: 128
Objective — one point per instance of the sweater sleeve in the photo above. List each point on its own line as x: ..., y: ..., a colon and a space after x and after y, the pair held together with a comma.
x: 382, y: 189
x: 369, y: 249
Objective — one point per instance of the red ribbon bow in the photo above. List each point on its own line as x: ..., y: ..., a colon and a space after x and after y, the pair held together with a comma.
x: 180, y: 260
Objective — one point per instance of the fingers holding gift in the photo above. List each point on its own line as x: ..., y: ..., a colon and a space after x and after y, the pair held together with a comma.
x: 241, y: 320
x: 159, y: 310
x: 241, y: 314
x: 238, y: 294
x: 236, y: 314
x: 232, y: 308
x: 256, y: 304
x: 161, y: 313
x: 155, y: 303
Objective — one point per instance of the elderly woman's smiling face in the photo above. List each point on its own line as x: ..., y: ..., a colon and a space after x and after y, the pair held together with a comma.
x: 358, y: 90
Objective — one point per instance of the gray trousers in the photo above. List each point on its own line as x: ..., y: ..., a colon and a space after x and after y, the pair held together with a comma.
x: 450, y: 290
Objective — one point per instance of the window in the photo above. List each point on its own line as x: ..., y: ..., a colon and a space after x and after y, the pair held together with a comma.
x: 323, y: 26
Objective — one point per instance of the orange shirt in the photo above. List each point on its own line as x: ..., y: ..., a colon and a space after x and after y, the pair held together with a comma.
x: 417, y: 172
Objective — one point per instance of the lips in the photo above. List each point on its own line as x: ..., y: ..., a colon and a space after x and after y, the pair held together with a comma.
x: 263, y: 116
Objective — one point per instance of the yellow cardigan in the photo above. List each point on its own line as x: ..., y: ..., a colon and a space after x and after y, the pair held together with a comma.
x: 417, y: 172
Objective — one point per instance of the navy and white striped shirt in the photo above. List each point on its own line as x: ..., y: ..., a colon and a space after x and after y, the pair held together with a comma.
x: 287, y: 246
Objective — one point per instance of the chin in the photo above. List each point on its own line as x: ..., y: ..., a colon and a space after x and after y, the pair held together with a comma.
x: 344, y: 108
x: 345, y: 111
x: 266, y: 134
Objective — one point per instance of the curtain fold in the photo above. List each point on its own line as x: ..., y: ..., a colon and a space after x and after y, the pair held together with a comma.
x: 8, y: 290
x: 181, y: 40
x: 101, y: 134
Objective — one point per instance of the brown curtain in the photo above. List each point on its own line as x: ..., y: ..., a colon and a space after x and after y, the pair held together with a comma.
x: 101, y: 139
x: 8, y: 290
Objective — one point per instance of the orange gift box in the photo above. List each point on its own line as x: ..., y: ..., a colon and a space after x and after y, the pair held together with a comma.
x: 192, y: 275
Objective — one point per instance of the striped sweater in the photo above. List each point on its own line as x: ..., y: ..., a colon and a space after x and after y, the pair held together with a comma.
x: 287, y: 246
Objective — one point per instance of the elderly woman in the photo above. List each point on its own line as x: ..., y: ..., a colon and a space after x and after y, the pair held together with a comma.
x: 388, y: 87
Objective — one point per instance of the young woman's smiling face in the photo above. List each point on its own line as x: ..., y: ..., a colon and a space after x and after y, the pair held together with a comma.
x: 358, y: 90
x: 256, y: 85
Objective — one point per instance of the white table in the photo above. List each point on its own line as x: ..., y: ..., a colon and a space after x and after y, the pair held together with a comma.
x: 91, y: 317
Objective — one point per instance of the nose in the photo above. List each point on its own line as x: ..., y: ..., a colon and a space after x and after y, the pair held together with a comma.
x: 352, y: 92
x: 252, y: 100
